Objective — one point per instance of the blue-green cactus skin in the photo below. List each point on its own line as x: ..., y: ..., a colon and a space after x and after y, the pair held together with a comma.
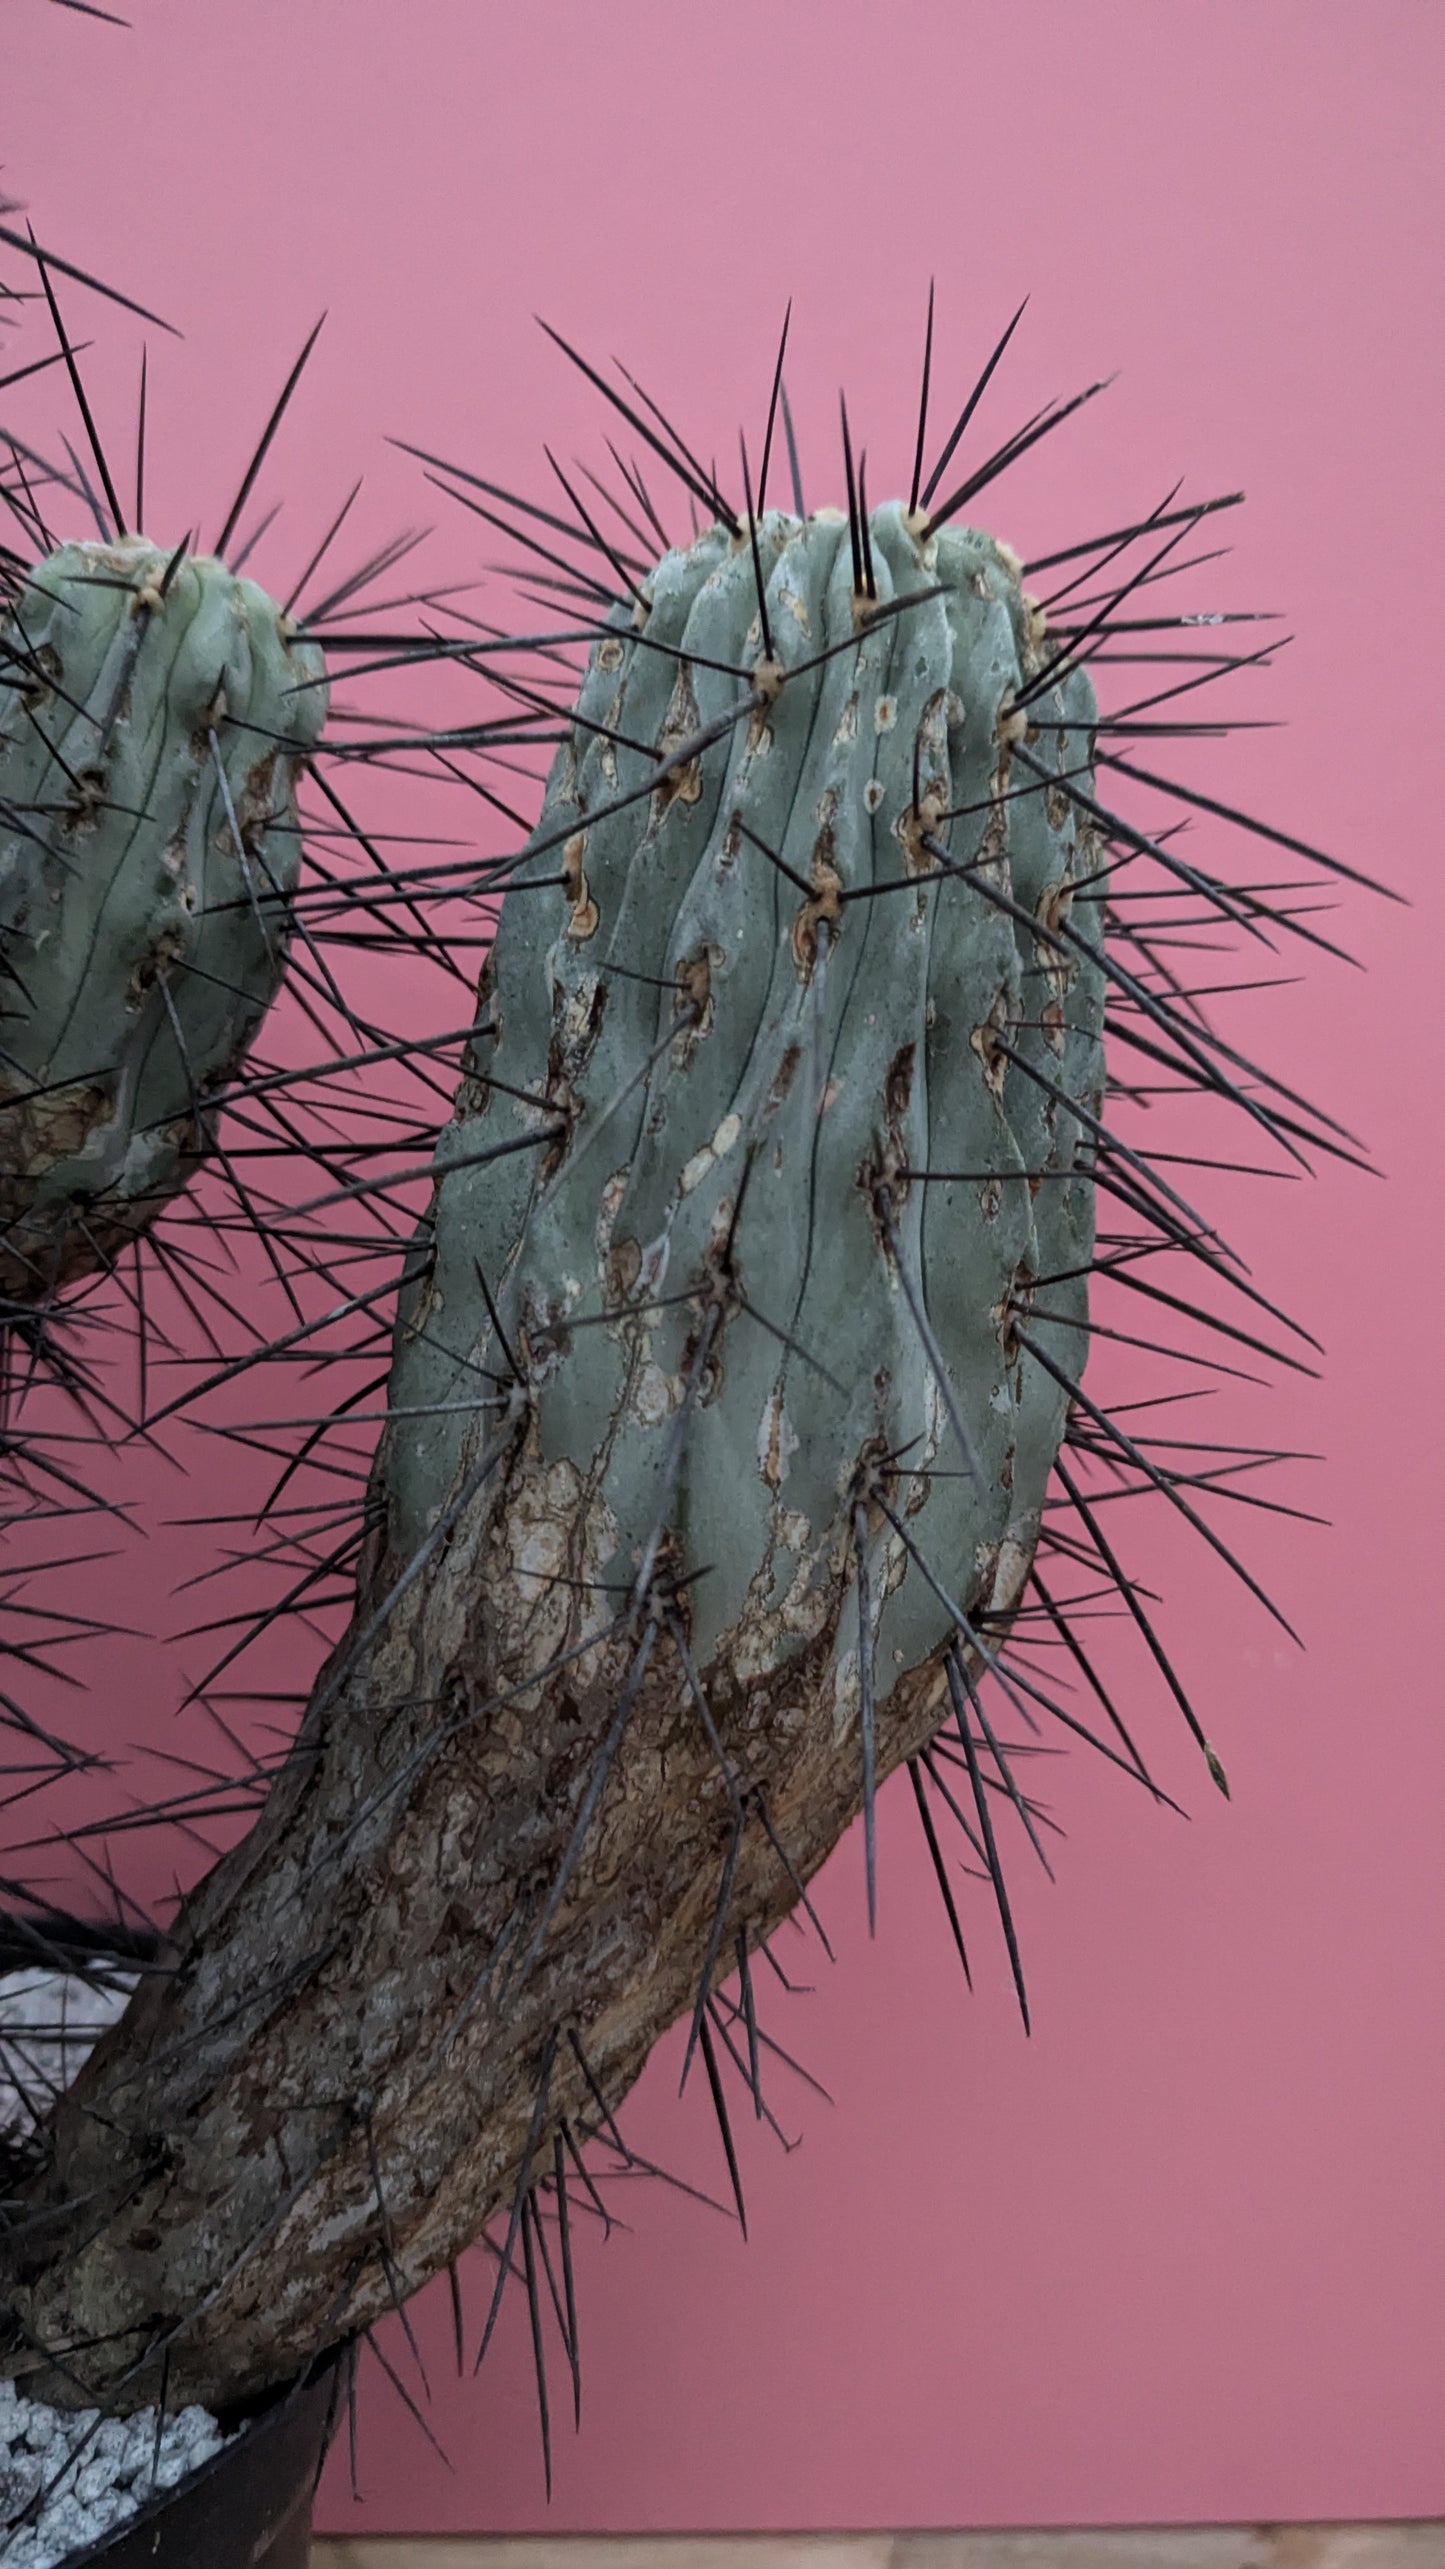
x: 671, y: 915
x: 150, y: 737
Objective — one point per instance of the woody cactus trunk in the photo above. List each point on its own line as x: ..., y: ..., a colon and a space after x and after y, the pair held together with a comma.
x: 721, y: 1414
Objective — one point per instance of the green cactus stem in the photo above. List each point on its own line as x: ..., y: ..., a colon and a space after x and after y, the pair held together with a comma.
x: 150, y: 739
x: 828, y: 1037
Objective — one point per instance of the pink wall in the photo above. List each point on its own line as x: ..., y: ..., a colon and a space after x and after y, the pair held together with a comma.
x: 1183, y: 2254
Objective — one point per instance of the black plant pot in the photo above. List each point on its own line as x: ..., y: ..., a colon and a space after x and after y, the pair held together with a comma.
x: 249, y: 2507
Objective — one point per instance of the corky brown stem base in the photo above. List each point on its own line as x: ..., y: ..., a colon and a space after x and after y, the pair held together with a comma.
x: 331, y: 2094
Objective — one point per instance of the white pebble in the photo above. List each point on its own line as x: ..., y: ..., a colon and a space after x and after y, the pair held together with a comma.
x: 98, y: 2472
x: 21, y: 2474
x: 67, y: 2526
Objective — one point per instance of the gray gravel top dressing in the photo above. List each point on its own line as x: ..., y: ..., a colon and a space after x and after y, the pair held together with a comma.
x: 91, y: 2472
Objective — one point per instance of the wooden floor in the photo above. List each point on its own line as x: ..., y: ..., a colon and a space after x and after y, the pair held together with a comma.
x: 1279, y: 2546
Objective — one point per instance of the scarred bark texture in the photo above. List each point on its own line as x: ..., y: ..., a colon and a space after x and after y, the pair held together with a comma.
x: 319, y: 1995
x: 713, y: 1433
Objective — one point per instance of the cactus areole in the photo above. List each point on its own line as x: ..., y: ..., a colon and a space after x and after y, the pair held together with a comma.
x: 153, y: 711
x: 730, y: 1372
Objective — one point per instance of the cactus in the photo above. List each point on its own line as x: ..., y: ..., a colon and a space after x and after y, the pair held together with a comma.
x: 733, y: 1359
x: 721, y: 1440
x: 150, y: 734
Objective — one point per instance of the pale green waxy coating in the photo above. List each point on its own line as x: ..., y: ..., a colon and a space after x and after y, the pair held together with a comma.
x: 150, y: 736
x: 846, y: 772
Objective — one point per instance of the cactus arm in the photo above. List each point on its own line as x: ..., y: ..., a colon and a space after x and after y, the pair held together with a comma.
x: 150, y: 739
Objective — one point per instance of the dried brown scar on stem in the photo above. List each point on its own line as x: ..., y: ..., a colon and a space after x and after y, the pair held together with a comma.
x: 767, y: 685
x: 825, y: 905
x: 208, y: 720
x: 583, y: 922
x: 1050, y: 949
x: 918, y: 828
x: 883, y: 1182
x: 1017, y: 1304
x: 693, y: 1006
x: 694, y: 984
x: 986, y: 1040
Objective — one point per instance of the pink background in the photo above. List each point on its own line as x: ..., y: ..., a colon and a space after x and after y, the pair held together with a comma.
x: 1182, y: 2255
